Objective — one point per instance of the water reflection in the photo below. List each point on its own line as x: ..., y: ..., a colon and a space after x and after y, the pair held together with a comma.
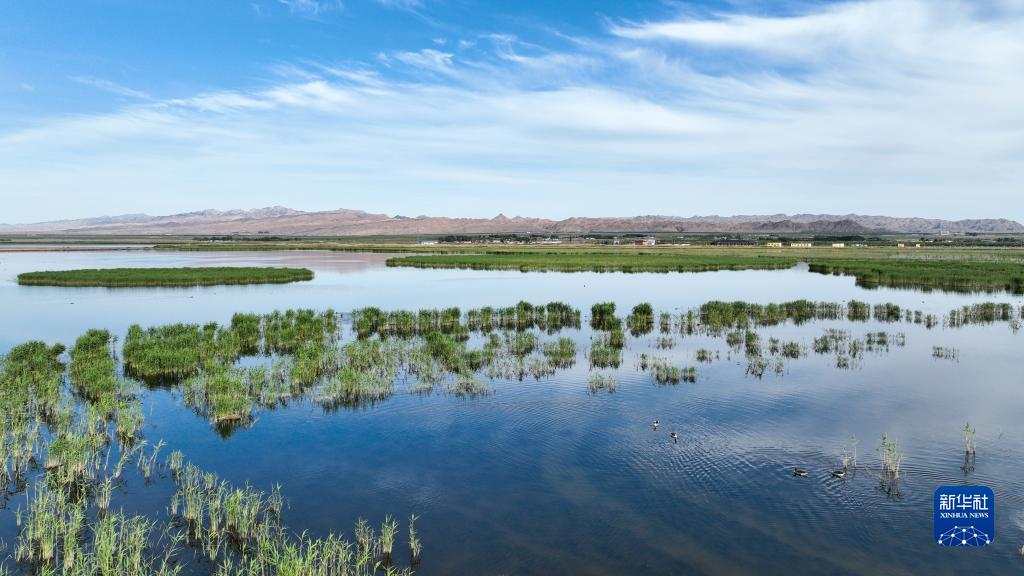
x: 544, y: 475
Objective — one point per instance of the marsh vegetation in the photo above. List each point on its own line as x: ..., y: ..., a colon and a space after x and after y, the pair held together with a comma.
x: 75, y: 436
x: 941, y: 268
x: 164, y: 277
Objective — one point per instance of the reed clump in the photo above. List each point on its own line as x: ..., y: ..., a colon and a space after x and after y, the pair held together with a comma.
x: 600, y: 382
x: 640, y: 320
x: 603, y: 354
x: 602, y: 316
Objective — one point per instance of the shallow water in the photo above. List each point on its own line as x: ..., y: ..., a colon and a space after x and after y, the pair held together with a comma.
x: 543, y: 477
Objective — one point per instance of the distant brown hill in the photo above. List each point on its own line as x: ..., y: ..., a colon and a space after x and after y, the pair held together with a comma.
x: 286, y: 221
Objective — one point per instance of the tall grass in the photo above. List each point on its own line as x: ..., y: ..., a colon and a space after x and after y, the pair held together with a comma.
x: 164, y: 277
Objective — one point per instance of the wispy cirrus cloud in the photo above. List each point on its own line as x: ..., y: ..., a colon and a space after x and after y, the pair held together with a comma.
x: 112, y: 87
x: 426, y: 59
x: 311, y: 7
x: 401, y: 4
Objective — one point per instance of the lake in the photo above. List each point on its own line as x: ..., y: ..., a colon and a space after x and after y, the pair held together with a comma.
x: 545, y: 475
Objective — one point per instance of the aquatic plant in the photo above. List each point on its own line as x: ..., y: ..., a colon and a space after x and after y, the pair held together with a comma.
x: 92, y: 364
x: 388, y: 529
x: 661, y: 369
x: 857, y: 311
x: 969, y: 445
x: 550, y: 317
x: 598, y: 382
x: 602, y: 316
x: 665, y: 323
x: 285, y: 332
x: 887, y: 312
x: 752, y: 342
x: 960, y: 275
x: 415, y: 546
x: 792, y: 350
x: 641, y: 320
x: 176, y: 350
x: 706, y: 356
x: 603, y: 354
x: 716, y: 316
x: 465, y: 385
x: 247, y: 328
x: 351, y: 387
x: 223, y: 394
x: 30, y: 380
x: 596, y: 261
x: 560, y: 353
x: 892, y: 458
x: 756, y: 366
x: 164, y: 277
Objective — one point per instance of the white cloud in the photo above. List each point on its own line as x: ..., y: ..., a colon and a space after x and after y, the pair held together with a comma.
x: 112, y: 87
x: 427, y: 59
x: 410, y: 5
x: 905, y: 115
x: 311, y: 7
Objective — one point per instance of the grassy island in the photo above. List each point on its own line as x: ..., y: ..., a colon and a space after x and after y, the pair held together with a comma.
x: 952, y: 275
x: 597, y: 262
x: 161, y: 277
x: 936, y: 269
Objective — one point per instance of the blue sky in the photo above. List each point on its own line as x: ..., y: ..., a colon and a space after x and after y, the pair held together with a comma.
x: 469, y: 108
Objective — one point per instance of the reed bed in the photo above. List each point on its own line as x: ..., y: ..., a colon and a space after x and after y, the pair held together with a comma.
x: 633, y: 261
x: 60, y: 420
x: 68, y: 525
x: 958, y: 275
x: 603, y: 354
x: 164, y: 277
x: 560, y: 353
x: 602, y: 316
x: 176, y: 351
x: 285, y: 332
x: 551, y: 317
x: 600, y: 382
x: 640, y: 320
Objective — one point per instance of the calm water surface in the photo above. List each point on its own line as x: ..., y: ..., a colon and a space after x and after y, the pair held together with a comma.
x: 542, y: 476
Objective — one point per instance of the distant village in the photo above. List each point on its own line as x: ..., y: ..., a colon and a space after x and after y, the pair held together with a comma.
x: 680, y: 241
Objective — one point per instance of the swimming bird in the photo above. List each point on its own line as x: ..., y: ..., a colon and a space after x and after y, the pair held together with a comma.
x: 675, y: 437
x: 656, y: 423
x: 839, y: 474
x: 799, y: 472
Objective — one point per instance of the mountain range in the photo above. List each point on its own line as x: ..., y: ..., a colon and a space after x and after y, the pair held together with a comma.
x: 278, y: 220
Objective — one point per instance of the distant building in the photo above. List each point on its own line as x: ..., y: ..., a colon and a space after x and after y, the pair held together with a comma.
x: 428, y: 242
x: 733, y: 242
x: 901, y: 245
x: 774, y: 244
x: 801, y: 245
x: 838, y: 245
x: 645, y: 242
